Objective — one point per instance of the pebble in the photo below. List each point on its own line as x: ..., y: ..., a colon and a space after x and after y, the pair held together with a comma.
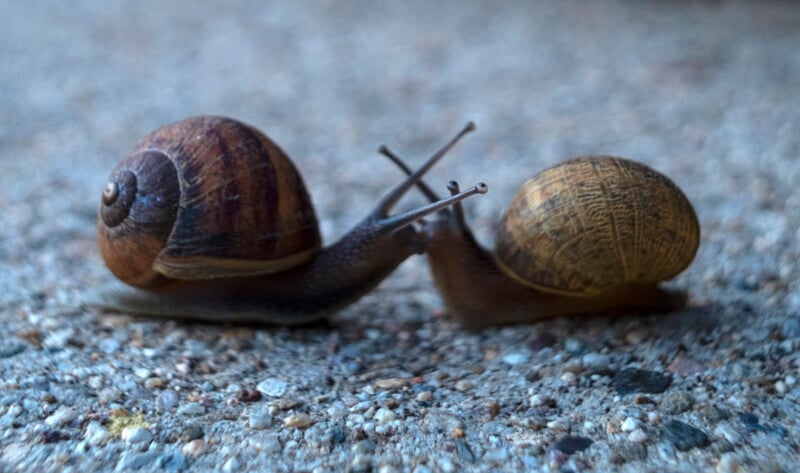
x: 714, y: 413
x: 142, y: 373
x: 624, y: 452
x: 683, y: 436
x: 515, y: 358
x: 96, y: 434
x: 231, y: 465
x: 751, y: 422
x: 58, y: 338
x: 685, y: 366
x: 463, y: 385
x: 727, y: 432
x: 538, y: 400
x: 730, y: 463
x: 192, y: 432
x: 259, y: 419
x: 109, y: 346
x: 166, y: 400
x: 596, y: 362
x: 676, y: 402
x: 360, y: 464
x: 638, y: 436
x: 154, y: 383
x: 192, y: 409
x: 298, y: 421
x: 464, y: 451
x: 135, y: 461
x: 391, y: 383
x: 195, y: 448
x: 496, y: 455
x: 572, y: 443
x: 364, y: 446
x: 62, y: 416
x: 425, y: 396
x: 272, y: 387
x: 629, y: 424
x: 637, y: 336
x: 573, y: 346
x: 633, y: 380
x: 384, y: 415
x: 569, y: 379
x: 95, y: 382
x: 173, y: 461
x: 11, y: 348
x: 136, y: 435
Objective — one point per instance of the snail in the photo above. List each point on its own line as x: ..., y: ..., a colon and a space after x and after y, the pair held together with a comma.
x: 589, y: 235
x: 207, y: 218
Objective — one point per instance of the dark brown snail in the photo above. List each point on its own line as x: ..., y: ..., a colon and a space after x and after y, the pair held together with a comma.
x: 209, y: 219
x: 592, y: 234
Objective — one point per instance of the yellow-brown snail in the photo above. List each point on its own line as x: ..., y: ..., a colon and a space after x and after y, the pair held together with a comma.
x: 592, y: 234
x: 209, y: 219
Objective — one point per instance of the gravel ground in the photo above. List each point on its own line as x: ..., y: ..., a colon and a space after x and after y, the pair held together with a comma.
x: 705, y: 91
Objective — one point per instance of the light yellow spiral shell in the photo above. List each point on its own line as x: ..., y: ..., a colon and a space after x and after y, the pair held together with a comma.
x: 595, y: 223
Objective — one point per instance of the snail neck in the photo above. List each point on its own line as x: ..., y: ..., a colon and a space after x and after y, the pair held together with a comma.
x: 477, y: 293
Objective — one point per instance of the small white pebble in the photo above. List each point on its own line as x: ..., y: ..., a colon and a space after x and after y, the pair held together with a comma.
x: 96, y: 434
x: 637, y: 436
x: 446, y: 465
x: 569, y: 378
x: 337, y: 411
x: 425, y: 396
x: 384, y: 415
x: 136, y: 435
x: 538, y: 400
x: 231, y: 465
x: 790, y: 380
x: 298, y: 420
x: 95, y: 382
x: 559, y: 425
x: 463, y: 385
x: 781, y: 387
x: 14, y: 410
x: 63, y: 416
x: 388, y: 469
x: 727, y: 432
x: 588, y: 425
x: 629, y: 424
x: 273, y: 387
x: 259, y: 419
x: 515, y: 358
x: 653, y: 417
x: 195, y: 448
x: 192, y: 409
x: 142, y: 373
x: 596, y: 361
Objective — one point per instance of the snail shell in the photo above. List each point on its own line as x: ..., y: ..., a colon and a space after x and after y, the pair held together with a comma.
x: 205, y: 197
x: 595, y: 223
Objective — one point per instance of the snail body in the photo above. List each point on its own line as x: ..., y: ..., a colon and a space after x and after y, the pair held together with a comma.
x: 207, y: 218
x: 591, y: 234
